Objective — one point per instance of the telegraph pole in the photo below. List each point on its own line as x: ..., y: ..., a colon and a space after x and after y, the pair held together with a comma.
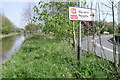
x: 119, y: 32
x: 79, y: 36
x: 114, y: 46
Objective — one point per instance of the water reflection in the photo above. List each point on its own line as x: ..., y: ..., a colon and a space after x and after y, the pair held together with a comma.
x: 10, y: 45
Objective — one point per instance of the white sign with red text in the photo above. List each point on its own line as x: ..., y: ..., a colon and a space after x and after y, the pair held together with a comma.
x: 81, y: 14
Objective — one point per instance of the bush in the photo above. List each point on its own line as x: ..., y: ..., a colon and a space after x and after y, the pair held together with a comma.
x: 110, y: 29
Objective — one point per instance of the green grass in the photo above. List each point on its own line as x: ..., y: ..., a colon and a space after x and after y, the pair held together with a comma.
x: 40, y: 57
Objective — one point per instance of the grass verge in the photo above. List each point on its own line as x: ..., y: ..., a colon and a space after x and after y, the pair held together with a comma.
x: 41, y: 57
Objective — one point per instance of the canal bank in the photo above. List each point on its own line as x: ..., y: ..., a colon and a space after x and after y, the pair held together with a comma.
x: 4, y: 36
x: 10, y: 45
x: 42, y: 57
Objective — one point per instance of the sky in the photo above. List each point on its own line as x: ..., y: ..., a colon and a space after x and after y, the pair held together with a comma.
x: 13, y: 10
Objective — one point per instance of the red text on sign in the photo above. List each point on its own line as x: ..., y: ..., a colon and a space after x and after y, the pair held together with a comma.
x: 73, y: 10
x: 73, y: 16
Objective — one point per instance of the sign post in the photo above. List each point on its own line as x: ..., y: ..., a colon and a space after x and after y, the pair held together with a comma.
x: 79, y: 37
x: 80, y: 14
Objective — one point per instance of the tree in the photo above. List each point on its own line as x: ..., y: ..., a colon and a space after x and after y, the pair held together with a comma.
x: 7, y: 25
x: 0, y: 22
x: 31, y: 27
x: 55, y: 17
x: 28, y: 15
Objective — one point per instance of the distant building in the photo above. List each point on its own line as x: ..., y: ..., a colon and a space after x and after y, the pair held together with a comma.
x: 119, y: 12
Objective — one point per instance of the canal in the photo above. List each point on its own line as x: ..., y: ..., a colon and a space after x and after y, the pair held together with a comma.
x: 9, y: 45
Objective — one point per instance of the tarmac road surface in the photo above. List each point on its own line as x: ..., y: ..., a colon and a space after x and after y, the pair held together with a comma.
x: 103, y: 49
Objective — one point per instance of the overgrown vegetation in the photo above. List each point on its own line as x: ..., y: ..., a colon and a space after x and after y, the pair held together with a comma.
x: 41, y: 57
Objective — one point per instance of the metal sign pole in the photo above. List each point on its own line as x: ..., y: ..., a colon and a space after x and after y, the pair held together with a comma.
x: 79, y: 36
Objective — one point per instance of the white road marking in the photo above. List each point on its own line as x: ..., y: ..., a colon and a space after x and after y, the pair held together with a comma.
x: 103, y: 46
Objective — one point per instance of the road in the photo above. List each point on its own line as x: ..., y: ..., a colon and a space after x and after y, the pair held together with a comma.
x: 106, y: 51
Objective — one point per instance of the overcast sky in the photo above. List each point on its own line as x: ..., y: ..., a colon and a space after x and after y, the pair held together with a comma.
x: 13, y: 9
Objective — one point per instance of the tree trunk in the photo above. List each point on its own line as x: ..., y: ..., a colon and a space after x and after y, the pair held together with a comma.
x: 74, y: 38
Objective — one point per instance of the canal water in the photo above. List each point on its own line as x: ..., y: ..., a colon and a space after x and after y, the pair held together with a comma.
x: 9, y: 45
